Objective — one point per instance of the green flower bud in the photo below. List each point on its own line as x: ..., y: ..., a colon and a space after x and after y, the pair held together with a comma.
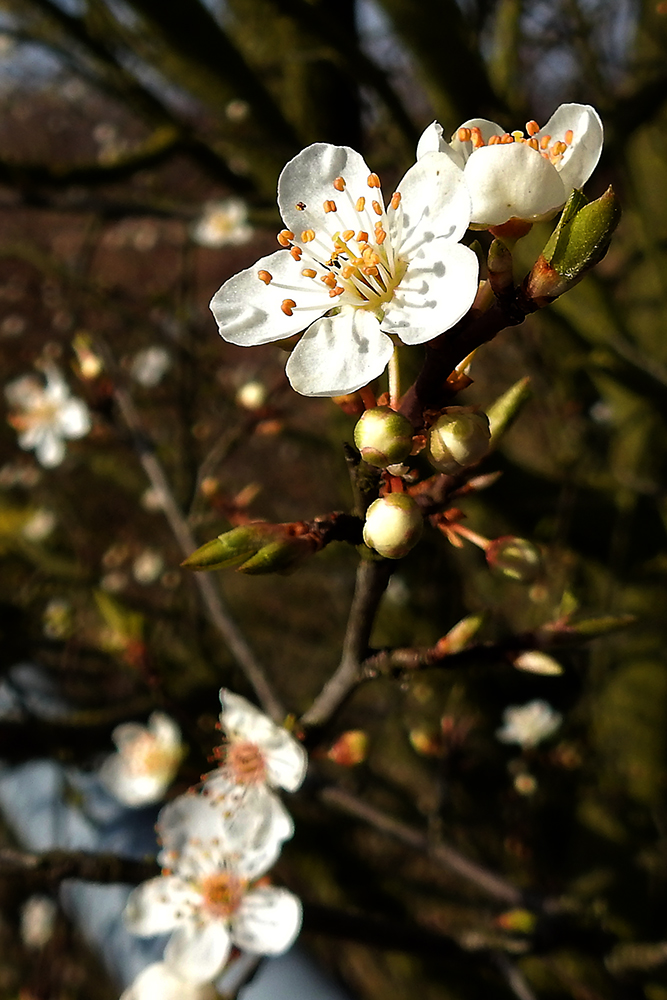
x: 229, y: 549
x: 458, y: 438
x: 516, y: 558
x: 383, y: 436
x: 393, y: 525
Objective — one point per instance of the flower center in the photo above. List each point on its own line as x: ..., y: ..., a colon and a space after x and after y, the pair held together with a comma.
x: 552, y: 151
x: 361, y: 267
x: 246, y: 762
x: 146, y: 756
x: 222, y: 894
x: 40, y: 415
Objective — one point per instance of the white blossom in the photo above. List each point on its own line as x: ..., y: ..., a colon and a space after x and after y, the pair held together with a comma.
x: 511, y: 175
x: 159, y: 982
x: 211, y: 903
x: 45, y: 415
x: 355, y: 273
x: 150, y: 365
x: 146, y: 761
x: 38, y: 917
x: 39, y: 525
x: 529, y: 724
x: 222, y: 224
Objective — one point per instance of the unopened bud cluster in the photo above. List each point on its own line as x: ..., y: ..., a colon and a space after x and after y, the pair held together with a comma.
x: 383, y: 437
x: 459, y: 438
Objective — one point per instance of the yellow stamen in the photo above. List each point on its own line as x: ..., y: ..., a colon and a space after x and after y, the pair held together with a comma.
x: 309, y: 272
x: 307, y: 236
x: 361, y: 203
x: 348, y: 234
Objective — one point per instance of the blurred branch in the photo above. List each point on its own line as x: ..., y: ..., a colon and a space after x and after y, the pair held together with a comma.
x: 51, y: 867
x: 442, y: 854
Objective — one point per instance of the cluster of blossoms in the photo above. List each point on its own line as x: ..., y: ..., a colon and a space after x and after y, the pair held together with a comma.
x: 357, y: 275
x: 217, y: 843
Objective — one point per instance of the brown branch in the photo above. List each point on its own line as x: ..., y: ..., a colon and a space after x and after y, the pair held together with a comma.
x: 51, y: 867
x: 442, y: 854
x: 372, y: 579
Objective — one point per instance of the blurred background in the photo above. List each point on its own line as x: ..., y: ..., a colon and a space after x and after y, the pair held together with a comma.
x: 140, y: 144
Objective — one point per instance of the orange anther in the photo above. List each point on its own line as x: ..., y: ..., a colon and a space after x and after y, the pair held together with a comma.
x: 338, y: 290
x: 300, y: 206
x: 532, y: 128
x: 533, y: 143
x: 361, y: 204
x: 329, y: 279
x: 348, y: 234
x: 339, y: 184
x: 506, y: 138
x: 476, y: 137
x: 296, y: 252
x: 380, y: 236
x: 362, y: 236
x: 559, y: 148
x: 377, y: 208
x: 347, y: 271
x: 265, y: 276
x: 284, y: 237
x: 373, y: 181
x: 569, y: 136
x: 464, y: 135
x: 494, y: 140
x: 330, y: 206
x: 370, y: 270
x: 544, y: 141
x: 395, y: 200
x: 287, y: 306
x: 307, y: 236
x: 309, y: 272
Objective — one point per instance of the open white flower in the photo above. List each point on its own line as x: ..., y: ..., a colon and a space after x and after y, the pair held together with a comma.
x: 159, y: 982
x: 146, y: 761
x: 222, y: 224
x: 45, y: 415
x: 355, y: 272
x: 253, y: 826
x: 255, y: 751
x: 210, y: 903
x: 515, y: 176
x: 529, y: 724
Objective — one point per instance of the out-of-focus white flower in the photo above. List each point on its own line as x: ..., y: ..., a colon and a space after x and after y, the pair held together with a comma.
x: 354, y: 273
x: 222, y: 224
x: 529, y: 724
x: 46, y: 415
x: 38, y: 917
x: 534, y: 661
x: 211, y: 904
x: 39, y: 525
x: 251, y: 395
x: 58, y: 618
x: 146, y: 761
x: 255, y: 751
x: 515, y: 176
x: 150, y: 365
x: 147, y: 567
x: 159, y: 982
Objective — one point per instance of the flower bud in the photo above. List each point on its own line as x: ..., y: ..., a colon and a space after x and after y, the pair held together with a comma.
x: 516, y: 558
x: 383, y: 436
x: 393, y: 525
x: 457, y: 439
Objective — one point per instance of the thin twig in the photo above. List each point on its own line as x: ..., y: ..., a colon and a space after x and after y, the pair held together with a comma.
x: 514, y: 978
x: 371, y: 583
x: 211, y: 598
x: 51, y: 867
x: 444, y: 855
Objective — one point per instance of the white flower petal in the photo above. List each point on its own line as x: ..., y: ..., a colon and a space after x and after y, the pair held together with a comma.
x: 435, y: 203
x: 165, y: 730
x: 582, y: 155
x: 512, y: 181
x: 74, y: 419
x: 50, y: 450
x: 487, y: 129
x: 267, y: 922
x: 198, y: 951
x: 308, y: 180
x: 156, y: 906
x: 159, y: 982
x: 240, y: 719
x: 339, y: 354
x: 437, y: 289
x: 249, y: 312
